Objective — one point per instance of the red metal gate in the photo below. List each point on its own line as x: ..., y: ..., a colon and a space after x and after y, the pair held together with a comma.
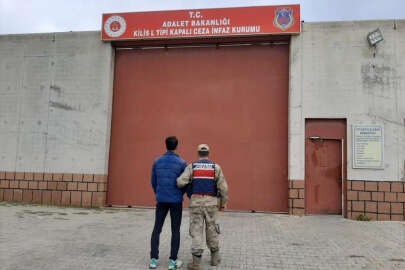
x: 233, y: 98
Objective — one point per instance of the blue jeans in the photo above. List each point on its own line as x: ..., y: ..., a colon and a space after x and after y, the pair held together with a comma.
x: 176, y: 210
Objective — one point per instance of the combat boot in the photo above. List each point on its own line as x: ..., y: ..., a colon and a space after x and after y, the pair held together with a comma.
x: 215, y: 258
x: 195, y: 265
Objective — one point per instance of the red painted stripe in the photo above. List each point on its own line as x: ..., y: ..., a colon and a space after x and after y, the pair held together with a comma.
x: 203, y: 173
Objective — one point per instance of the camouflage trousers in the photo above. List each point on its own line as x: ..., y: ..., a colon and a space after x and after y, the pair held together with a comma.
x: 199, y: 216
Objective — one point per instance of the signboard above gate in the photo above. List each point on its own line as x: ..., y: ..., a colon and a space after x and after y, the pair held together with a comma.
x: 221, y: 22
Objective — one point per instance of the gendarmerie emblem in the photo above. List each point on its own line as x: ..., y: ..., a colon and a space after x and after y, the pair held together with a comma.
x: 284, y: 18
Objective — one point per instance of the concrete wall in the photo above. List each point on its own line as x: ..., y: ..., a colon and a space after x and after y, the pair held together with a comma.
x: 56, y: 94
x: 55, y: 102
x: 335, y: 74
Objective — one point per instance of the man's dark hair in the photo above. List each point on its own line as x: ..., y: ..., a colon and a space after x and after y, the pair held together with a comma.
x: 203, y: 154
x: 171, y: 143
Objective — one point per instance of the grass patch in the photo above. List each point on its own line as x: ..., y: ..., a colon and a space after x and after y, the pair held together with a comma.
x: 362, y: 218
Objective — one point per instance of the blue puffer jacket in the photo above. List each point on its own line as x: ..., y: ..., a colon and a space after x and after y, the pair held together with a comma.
x: 165, y: 171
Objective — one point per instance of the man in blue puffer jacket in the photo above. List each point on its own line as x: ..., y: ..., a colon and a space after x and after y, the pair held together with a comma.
x: 169, y: 197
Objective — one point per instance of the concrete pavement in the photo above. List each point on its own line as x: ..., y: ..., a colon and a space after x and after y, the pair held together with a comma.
x: 46, y: 237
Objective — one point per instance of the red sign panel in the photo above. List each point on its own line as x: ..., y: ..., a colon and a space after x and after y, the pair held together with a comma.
x: 243, y: 21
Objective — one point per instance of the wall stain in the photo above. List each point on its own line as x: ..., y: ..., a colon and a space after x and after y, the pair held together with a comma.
x: 374, y: 75
x: 100, y: 250
x: 62, y: 106
x: 56, y: 88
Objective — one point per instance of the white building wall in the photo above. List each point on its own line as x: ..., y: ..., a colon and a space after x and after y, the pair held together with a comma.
x: 335, y: 74
x: 55, y: 102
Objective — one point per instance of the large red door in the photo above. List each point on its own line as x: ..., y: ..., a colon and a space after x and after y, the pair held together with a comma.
x: 233, y: 98
x: 324, y: 161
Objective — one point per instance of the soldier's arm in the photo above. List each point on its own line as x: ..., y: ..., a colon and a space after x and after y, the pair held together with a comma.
x: 222, y: 186
x: 185, y: 177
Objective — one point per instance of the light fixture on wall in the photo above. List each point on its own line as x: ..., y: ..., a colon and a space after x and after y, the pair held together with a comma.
x: 374, y: 37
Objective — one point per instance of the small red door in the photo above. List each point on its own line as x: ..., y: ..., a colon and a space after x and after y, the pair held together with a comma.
x: 323, y: 183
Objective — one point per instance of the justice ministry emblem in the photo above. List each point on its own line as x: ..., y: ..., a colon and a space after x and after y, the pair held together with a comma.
x: 115, y: 26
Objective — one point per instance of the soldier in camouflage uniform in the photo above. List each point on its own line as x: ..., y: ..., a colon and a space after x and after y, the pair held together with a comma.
x: 209, y: 193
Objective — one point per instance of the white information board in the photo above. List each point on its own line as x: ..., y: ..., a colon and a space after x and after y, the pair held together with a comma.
x: 368, y: 146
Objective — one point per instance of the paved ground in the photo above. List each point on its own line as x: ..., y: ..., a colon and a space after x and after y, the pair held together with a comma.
x: 41, y: 237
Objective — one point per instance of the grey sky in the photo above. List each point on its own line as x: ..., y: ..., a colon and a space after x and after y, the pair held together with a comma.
x: 34, y: 16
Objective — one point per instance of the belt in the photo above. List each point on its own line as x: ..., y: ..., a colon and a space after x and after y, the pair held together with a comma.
x: 204, y: 194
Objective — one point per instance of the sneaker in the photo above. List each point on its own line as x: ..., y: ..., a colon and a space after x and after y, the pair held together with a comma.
x: 175, y: 264
x: 153, y: 263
